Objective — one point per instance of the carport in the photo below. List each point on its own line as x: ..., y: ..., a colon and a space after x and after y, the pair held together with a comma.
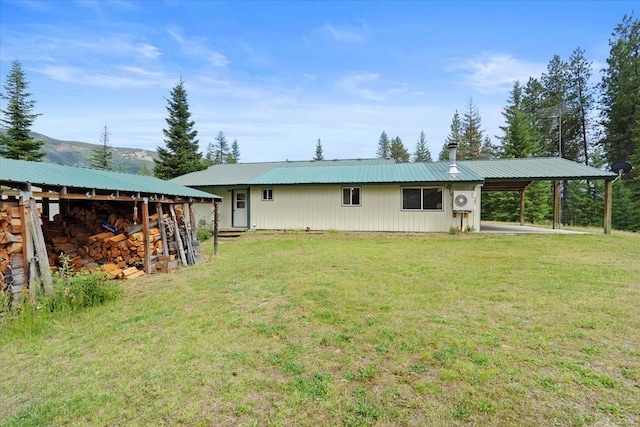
x: 519, y: 174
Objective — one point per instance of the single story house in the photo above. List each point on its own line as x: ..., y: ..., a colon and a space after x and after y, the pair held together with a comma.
x: 374, y: 194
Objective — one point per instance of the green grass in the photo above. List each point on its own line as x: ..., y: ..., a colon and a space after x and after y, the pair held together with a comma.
x: 284, y: 329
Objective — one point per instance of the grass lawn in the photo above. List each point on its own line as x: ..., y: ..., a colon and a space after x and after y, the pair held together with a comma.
x: 297, y: 329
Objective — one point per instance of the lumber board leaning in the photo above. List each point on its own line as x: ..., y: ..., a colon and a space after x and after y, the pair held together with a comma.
x: 183, y: 257
x: 163, y: 231
x: 39, y: 245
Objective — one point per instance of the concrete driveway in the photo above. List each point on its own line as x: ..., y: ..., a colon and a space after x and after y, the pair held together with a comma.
x: 498, y: 228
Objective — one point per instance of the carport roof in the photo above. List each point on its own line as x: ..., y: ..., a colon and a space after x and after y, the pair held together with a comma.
x: 41, y: 174
x: 534, y: 169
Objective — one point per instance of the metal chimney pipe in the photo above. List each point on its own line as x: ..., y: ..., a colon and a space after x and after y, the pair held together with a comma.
x: 453, y: 149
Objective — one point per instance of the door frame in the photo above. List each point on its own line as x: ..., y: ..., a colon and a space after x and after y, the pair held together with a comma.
x: 233, y: 207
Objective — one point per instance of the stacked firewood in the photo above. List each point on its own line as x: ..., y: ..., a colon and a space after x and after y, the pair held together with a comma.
x: 115, y: 244
x: 11, y: 247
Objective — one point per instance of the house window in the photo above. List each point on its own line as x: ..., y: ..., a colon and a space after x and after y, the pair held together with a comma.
x: 351, y: 196
x: 422, y: 199
x: 267, y: 194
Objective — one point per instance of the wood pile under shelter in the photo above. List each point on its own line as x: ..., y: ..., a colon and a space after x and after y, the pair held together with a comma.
x: 126, y: 225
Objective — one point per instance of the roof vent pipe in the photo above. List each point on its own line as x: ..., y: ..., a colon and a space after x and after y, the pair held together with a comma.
x: 453, y: 149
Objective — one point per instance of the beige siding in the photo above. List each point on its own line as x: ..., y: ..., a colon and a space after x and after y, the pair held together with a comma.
x: 320, y: 208
x: 203, y: 210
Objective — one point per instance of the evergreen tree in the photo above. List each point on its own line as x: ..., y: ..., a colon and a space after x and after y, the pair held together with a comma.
x: 422, y: 153
x: 581, y: 102
x: 221, y: 148
x: 473, y: 145
x: 145, y: 170
x: 620, y: 95
x: 181, y: 154
x: 18, y: 118
x: 102, y: 154
x: 384, y: 146
x: 234, y: 155
x: 455, y: 136
x: 398, y: 151
x: 555, y: 83
x: 319, y: 155
x: 520, y: 138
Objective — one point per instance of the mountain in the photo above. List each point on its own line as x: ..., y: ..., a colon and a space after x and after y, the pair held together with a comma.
x: 75, y: 153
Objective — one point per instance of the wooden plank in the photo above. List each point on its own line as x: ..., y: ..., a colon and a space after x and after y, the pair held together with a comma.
x: 39, y: 246
x: 183, y: 258
x: 163, y: 231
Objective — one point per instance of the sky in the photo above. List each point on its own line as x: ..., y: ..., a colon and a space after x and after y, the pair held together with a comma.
x: 278, y: 76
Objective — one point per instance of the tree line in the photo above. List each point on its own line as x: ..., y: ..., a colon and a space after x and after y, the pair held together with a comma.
x: 560, y: 113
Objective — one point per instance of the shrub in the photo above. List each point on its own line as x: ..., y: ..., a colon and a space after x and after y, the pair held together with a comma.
x: 81, y: 290
x: 203, y: 234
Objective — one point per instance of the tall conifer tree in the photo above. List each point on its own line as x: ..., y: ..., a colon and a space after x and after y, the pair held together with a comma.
x: 17, y: 118
x: 102, y: 154
x: 422, y: 153
x: 384, y: 146
x: 181, y: 154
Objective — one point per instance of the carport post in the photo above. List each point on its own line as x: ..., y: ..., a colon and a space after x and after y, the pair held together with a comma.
x: 522, y: 207
x: 556, y: 204
x: 608, y: 187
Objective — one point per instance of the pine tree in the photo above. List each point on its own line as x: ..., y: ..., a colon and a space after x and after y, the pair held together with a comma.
x: 422, y: 153
x: 398, y: 151
x: 221, y: 148
x: 181, y: 155
x: 581, y: 101
x: 145, y: 170
x: 520, y: 138
x: 384, y: 146
x: 473, y: 145
x: 102, y: 154
x: 234, y: 155
x: 455, y: 136
x: 18, y: 118
x: 319, y: 154
x: 621, y: 93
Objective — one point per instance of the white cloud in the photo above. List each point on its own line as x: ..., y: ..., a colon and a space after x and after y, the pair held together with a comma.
x: 495, y: 73
x: 197, y: 47
x: 345, y: 34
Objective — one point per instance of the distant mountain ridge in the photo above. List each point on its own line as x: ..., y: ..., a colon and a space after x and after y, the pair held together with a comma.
x: 75, y: 153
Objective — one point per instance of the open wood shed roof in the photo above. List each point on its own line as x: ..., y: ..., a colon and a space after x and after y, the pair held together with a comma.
x: 16, y: 173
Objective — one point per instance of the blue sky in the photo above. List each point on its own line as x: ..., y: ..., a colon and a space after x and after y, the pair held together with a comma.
x: 277, y: 76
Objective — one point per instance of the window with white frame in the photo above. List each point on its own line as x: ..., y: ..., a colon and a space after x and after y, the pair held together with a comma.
x: 267, y: 194
x: 422, y: 199
x: 351, y: 196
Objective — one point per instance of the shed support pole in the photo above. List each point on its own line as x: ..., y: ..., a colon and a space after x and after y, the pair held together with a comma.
x: 31, y: 213
x: 608, y: 189
x: 522, y: 207
x: 147, y: 240
x: 556, y: 205
x: 183, y: 257
x: 215, y: 227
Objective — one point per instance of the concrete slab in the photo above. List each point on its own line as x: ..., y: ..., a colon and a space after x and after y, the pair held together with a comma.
x: 498, y: 228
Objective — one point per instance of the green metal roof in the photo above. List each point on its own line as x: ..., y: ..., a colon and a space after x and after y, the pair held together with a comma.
x: 53, y: 175
x: 378, y: 171
x: 367, y: 174
x: 245, y: 173
x: 534, y: 169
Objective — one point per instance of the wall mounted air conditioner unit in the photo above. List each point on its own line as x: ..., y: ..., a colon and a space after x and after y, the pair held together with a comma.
x: 464, y: 201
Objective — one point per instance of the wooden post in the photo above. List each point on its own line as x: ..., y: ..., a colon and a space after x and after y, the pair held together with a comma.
x: 163, y: 230
x: 608, y: 189
x: 556, y: 205
x: 215, y: 226
x: 147, y: 240
x: 29, y: 267
x: 189, y: 237
x: 522, y: 206
x: 183, y: 258
x: 192, y: 220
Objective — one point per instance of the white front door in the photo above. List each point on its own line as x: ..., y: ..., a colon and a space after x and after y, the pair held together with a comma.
x: 239, y: 209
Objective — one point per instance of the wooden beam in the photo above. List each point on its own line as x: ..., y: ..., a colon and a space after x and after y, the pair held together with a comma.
x: 556, y: 205
x: 608, y: 190
x: 147, y: 240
